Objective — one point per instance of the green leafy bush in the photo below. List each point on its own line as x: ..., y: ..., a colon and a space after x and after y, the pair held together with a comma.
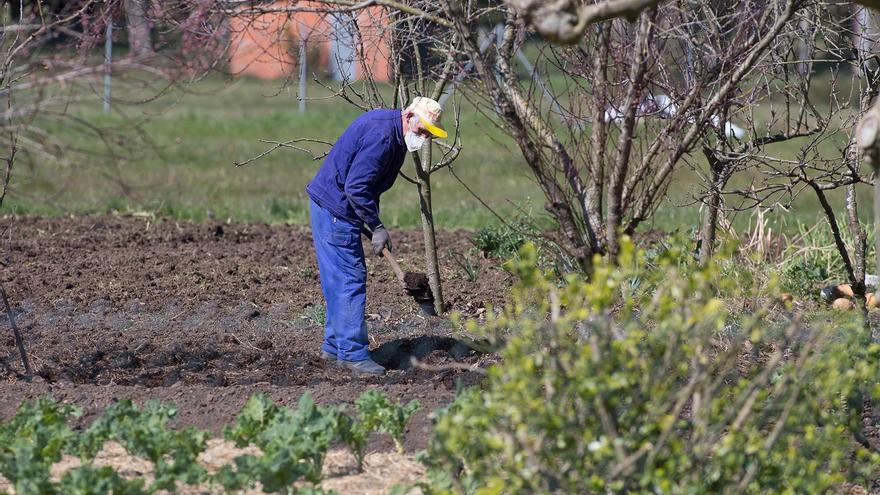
x: 802, y: 277
x: 655, y: 392
x: 504, y: 241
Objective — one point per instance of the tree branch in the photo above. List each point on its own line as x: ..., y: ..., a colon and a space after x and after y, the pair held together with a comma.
x: 564, y: 21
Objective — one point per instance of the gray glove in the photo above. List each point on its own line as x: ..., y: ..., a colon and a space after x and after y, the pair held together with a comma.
x: 380, y: 240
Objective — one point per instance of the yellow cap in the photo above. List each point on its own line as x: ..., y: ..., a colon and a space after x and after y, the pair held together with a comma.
x: 429, y: 113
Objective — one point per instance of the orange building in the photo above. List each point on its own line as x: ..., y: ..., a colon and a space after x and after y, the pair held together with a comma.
x: 267, y: 45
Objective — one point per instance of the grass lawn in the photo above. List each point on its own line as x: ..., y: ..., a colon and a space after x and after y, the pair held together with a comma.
x: 179, y: 161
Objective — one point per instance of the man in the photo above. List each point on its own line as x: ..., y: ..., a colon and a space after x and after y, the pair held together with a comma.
x: 344, y: 194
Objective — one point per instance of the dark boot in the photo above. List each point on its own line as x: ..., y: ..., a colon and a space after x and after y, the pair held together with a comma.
x: 365, y: 367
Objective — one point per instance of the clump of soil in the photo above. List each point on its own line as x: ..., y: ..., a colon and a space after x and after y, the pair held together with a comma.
x: 418, y: 287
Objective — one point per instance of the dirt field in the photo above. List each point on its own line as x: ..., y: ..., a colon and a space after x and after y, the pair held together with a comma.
x: 204, y: 315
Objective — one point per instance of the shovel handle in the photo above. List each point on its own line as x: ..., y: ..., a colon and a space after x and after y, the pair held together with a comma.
x: 394, y: 266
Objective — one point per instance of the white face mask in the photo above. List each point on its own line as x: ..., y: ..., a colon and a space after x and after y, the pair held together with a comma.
x: 413, y: 141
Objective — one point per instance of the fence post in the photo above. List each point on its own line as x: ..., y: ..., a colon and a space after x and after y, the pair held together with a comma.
x: 108, y: 59
x: 302, y: 74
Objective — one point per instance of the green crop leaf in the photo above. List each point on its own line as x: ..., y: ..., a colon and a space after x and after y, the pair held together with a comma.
x: 145, y: 433
x: 252, y: 420
x: 33, y: 440
x: 377, y: 412
x: 294, y: 443
x: 244, y: 474
x: 355, y: 434
x: 91, y: 480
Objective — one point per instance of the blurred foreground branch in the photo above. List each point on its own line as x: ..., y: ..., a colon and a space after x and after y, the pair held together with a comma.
x: 565, y: 21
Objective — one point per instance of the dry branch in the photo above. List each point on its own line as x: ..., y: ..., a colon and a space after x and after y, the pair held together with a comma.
x: 564, y: 21
x: 19, y: 342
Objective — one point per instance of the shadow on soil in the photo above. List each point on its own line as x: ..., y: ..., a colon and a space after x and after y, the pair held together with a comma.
x: 398, y: 354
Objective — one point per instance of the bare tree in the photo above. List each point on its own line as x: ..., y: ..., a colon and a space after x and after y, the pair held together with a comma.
x: 424, y: 164
x: 784, y: 104
x: 774, y: 105
x: 631, y: 102
x: 20, y: 40
x: 139, y: 38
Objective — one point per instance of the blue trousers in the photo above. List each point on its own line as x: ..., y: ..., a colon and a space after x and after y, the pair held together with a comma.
x: 343, y: 273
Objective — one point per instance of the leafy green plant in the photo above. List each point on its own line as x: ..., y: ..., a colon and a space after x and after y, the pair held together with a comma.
x: 376, y: 411
x: 802, y: 277
x: 355, y: 434
x: 470, y: 267
x: 91, y: 480
x: 316, y: 314
x: 502, y: 241
x: 144, y: 432
x: 315, y: 427
x: 655, y: 392
x: 253, y: 419
x: 294, y: 443
x: 32, y: 441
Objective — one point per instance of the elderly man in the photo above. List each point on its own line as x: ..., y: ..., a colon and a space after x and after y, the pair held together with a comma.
x: 344, y: 194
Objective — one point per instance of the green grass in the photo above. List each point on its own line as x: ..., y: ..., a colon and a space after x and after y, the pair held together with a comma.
x: 185, y: 167
x: 179, y: 161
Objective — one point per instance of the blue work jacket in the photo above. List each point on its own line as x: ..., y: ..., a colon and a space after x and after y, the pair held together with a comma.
x: 362, y: 165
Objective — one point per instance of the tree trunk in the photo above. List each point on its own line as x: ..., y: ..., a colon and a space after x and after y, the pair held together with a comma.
x: 838, y: 237
x: 577, y: 243
x: 598, y: 134
x: 709, y: 227
x: 868, y: 140
x: 138, y: 28
x: 616, y: 206
x: 432, y: 263
x: 859, y: 240
x: 19, y: 341
x: 858, y: 233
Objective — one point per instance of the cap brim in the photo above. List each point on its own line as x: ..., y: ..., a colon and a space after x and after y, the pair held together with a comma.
x: 434, y: 130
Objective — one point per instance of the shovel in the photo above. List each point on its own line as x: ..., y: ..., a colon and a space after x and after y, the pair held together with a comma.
x: 415, y: 284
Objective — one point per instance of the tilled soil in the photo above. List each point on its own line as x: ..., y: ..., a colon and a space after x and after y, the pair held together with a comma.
x: 203, y: 315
